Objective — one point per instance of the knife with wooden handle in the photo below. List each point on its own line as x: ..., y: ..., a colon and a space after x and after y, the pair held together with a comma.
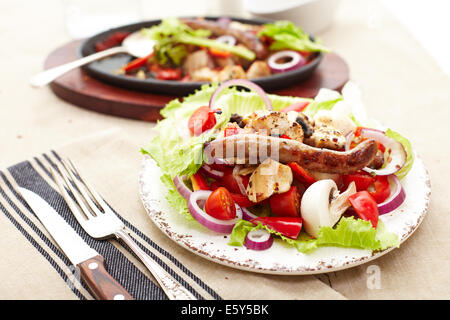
x: 92, y: 266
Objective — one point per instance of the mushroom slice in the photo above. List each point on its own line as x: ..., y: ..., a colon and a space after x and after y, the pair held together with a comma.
x: 323, y: 206
x: 270, y: 177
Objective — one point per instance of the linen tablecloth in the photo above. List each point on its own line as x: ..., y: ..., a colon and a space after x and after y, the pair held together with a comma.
x: 401, y: 85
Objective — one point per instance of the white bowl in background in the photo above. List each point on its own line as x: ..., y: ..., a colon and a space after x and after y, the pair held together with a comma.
x: 313, y: 16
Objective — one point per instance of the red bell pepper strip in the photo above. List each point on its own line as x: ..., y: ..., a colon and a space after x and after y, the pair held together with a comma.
x: 230, y: 131
x: 301, y: 175
x: 242, y: 200
x: 169, y: 74
x: 137, y: 63
x: 298, y: 106
x: 286, y: 204
x: 201, y: 120
x: 365, y: 206
x: 285, y: 136
x: 382, y: 189
x: 199, y: 182
x: 287, y: 226
x: 219, y: 53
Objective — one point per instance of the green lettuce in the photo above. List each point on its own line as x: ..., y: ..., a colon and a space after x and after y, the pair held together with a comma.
x: 409, y: 153
x: 349, y: 232
x: 178, y: 153
x: 287, y: 35
x: 171, y: 36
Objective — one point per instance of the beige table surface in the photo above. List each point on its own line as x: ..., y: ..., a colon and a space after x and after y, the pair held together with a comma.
x: 401, y: 85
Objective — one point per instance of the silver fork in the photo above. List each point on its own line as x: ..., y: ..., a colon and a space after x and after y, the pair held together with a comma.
x: 100, y: 222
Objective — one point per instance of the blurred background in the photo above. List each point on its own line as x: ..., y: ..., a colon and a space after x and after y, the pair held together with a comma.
x: 425, y: 20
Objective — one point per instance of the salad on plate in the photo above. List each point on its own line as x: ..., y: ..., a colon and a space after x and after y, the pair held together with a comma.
x: 259, y: 167
x: 201, y: 50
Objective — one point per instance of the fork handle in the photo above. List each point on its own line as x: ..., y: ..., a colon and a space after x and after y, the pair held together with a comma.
x: 171, y: 287
x: 100, y: 282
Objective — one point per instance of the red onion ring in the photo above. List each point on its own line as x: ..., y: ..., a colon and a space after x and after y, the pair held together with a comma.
x: 247, y: 215
x: 296, y: 61
x: 258, y: 240
x: 227, y: 39
x: 395, y: 199
x: 238, y: 179
x: 397, y: 151
x: 242, y: 83
x: 210, y: 172
x: 211, y: 223
x: 181, y: 186
x: 224, y: 22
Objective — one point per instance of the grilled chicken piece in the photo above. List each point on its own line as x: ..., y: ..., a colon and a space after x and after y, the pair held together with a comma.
x: 223, y: 62
x: 337, y: 120
x: 205, y: 74
x: 258, y: 69
x: 270, y: 177
x: 326, y: 137
x: 197, y: 60
x: 274, y: 123
x: 255, y: 148
x: 231, y: 72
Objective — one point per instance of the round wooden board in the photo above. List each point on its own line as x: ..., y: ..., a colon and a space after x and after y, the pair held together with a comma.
x: 78, y: 88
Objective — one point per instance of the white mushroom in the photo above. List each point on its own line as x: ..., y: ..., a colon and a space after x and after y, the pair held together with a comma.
x: 323, y: 206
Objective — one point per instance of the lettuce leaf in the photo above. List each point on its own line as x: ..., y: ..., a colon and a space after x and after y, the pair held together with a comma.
x: 409, y: 153
x: 287, y: 35
x: 349, y: 232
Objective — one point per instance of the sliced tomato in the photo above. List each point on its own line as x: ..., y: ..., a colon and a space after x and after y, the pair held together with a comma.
x: 286, y: 204
x: 219, y: 53
x: 298, y: 106
x: 137, y: 63
x: 285, y: 136
x: 365, y: 206
x: 362, y: 180
x: 201, y: 120
x: 382, y: 189
x: 220, y: 205
x: 199, y: 182
x: 287, y: 226
x: 301, y: 175
x: 229, y: 181
x: 241, y: 200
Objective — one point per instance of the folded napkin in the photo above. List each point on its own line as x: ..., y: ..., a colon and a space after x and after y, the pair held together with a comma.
x: 35, y: 268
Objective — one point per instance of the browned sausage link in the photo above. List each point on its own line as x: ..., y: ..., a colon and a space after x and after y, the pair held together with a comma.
x: 253, y: 149
x: 248, y: 39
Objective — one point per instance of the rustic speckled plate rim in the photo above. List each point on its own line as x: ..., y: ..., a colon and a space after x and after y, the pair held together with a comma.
x: 211, y: 246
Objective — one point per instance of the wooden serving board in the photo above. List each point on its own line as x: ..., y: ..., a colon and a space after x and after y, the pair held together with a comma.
x: 80, y: 89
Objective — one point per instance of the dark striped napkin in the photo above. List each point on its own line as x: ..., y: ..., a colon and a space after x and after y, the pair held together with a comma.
x: 121, y: 264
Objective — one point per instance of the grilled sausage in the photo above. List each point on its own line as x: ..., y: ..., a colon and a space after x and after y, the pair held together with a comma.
x: 254, y: 148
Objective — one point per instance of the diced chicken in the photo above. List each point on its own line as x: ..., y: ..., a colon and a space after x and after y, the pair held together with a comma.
x: 258, y: 69
x: 326, y: 137
x: 205, y: 74
x: 270, y: 177
x: 197, y: 60
x: 232, y: 72
x: 274, y: 124
x: 223, y: 62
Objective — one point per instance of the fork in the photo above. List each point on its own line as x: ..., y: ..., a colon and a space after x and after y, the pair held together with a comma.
x: 100, y: 222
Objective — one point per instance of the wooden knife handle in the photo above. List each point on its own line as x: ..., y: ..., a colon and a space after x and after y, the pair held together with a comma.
x: 100, y: 282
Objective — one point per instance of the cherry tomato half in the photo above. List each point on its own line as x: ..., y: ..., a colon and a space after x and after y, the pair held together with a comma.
x: 365, y: 206
x: 220, y: 205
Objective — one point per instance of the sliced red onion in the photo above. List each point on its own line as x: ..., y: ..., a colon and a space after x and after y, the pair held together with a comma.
x: 181, y: 186
x: 247, y: 215
x: 397, y: 154
x: 224, y: 22
x: 238, y: 179
x: 211, y: 223
x: 396, y: 198
x: 210, y: 172
x: 242, y: 83
x: 296, y: 61
x: 258, y: 240
x: 227, y: 39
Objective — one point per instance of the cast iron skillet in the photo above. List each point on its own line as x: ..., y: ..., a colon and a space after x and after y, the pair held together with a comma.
x: 103, y: 69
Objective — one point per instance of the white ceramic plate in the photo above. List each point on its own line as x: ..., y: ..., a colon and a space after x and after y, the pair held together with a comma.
x: 279, y: 259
